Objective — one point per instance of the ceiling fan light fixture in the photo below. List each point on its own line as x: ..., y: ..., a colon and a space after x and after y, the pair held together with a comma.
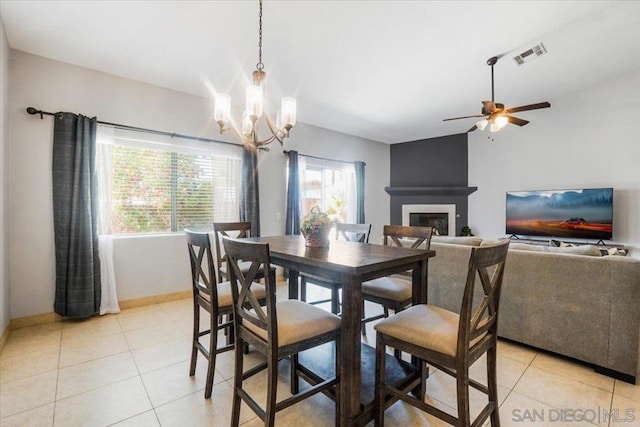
x: 501, y: 121
x: 482, y: 124
x: 498, y: 123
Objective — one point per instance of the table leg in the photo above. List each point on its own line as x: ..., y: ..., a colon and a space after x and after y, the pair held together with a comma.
x: 350, y: 340
x: 293, y: 284
x: 419, y: 283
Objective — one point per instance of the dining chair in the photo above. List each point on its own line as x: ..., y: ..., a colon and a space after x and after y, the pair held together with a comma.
x: 395, y: 292
x: 350, y: 233
x: 277, y: 330
x: 235, y: 230
x: 449, y: 341
x: 214, y: 298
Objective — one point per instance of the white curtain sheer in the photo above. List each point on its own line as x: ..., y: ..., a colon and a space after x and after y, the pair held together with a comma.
x: 109, y: 300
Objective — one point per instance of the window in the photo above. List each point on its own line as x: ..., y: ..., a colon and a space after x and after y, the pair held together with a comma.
x: 330, y: 185
x: 158, y: 187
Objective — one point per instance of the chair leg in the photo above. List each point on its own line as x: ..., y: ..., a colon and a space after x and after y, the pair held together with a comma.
x: 396, y: 353
x: 337, y: 367
x: 303, y: 288
x: 294, y: 379
x: 272, y: 384
x: 194, y: 340
x: 364, y: 324
x: 462, y: 395
x: 379, y: 384
x: 237, y: 384
x: 492, y: 384
x: 213, y: 345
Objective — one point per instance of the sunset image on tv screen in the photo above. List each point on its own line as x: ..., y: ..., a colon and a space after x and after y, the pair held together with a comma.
x: 583, y: 213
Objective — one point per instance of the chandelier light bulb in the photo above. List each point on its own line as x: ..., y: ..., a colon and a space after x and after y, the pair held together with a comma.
x: 288, y: 109
x: 254, y: 101
x: 222, y: 111
x: 247, y: 125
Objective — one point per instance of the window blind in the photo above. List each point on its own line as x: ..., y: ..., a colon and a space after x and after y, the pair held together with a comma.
x: 164, y: 186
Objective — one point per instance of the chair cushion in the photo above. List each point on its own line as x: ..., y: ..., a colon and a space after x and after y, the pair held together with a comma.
x: 393, y: 288
x: 225, y: 299
x: 244, y: 266
x: 298, y: 321
x: 426, y: 326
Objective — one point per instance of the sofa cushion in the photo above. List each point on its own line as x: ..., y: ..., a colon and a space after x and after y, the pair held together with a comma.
x: 527, y: 247
x: 458, y: 240
x: 614, y: 251
x: 589, y: 250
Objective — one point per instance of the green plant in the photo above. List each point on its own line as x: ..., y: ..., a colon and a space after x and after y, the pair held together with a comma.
x: 316, y: 220
x: 466, y: 231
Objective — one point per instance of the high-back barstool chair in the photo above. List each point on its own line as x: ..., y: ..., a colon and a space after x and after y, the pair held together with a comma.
x: 449, y: 341
x: 395, y: 292
x: 278, y: 330
x: 214, y: 298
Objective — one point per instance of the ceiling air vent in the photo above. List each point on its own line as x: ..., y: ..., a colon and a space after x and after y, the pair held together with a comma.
x: 530, y: 54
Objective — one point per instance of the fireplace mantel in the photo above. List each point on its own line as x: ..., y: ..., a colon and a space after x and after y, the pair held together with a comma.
x: 430, y: 191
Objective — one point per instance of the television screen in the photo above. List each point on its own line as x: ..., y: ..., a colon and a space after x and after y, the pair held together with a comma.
x: 584, y: 213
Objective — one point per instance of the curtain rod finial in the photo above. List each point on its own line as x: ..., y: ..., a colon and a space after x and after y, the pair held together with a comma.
x: 33, y: 111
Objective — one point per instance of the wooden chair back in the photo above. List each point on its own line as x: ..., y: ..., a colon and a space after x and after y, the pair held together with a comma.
x: 487, y: 264
x: 393, y: 234
x: 228, y: 229
x: 353, y: 232
x: 203, y: 276
x: 246, y: 307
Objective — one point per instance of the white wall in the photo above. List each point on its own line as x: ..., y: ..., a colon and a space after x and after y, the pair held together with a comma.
x: 149, y: 265
x: 5, y: 312
x: 586, y: 139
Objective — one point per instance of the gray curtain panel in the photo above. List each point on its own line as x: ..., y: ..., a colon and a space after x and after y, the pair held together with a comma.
x: 292, y: 222
x: 75, y: 196
x: 360, y: 192
x: 249, y: 190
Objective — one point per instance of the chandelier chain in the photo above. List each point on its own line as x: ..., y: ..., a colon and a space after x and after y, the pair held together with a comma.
x: 260, y: 65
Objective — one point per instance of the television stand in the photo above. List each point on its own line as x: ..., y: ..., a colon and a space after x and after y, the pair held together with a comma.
x: 514, y: 237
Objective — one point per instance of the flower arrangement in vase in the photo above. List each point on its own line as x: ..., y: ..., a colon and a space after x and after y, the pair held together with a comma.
x: 315, y: 228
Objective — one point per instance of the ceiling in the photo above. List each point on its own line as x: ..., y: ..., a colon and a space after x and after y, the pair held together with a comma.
x: 389, y: 71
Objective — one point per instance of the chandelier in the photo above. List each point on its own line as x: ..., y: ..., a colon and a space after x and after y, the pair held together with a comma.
x: 248, y: 132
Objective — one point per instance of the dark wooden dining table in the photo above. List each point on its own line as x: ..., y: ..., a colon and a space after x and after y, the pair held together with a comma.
x: 351, y: 264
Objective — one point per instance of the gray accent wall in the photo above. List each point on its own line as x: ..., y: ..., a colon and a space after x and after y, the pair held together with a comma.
x: 433, y: 162
x: 430, y: 162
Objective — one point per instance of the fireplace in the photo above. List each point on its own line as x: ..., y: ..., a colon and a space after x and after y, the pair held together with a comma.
x: 441, y: 217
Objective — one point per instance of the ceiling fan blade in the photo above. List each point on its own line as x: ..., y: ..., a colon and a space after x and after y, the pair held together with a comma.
x: 517, y: 121
x: 528, y: 107
x: 472, y: 129
x: 463, y: 117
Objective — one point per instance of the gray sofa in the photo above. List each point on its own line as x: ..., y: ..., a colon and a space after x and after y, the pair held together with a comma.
x: 583, y: 307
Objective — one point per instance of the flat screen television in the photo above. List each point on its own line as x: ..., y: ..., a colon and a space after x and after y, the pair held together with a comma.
x: 579, y: 213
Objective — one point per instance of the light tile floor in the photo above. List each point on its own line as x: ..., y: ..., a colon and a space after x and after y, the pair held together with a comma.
x: 131, y: 369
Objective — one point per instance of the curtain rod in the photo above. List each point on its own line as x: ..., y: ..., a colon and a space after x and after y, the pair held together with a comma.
x: 34, y: 111
x: 321, y: 158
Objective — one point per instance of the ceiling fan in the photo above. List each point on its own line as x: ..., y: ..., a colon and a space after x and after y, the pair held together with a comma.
x: 495, y: 114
